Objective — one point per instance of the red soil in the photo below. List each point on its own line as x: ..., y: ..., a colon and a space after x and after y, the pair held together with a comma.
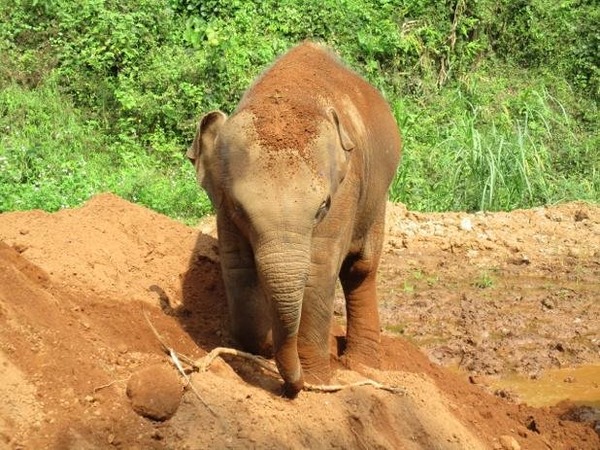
x: 72, y: 333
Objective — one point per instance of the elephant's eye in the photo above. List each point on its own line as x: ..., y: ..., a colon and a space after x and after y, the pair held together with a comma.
x: 323, y: 209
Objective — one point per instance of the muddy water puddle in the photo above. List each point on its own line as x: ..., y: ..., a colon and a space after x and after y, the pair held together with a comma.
x: 581, y: 385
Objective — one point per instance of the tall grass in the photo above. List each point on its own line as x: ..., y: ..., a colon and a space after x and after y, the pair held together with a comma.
x: 477, y: 146
x: 486, y: 148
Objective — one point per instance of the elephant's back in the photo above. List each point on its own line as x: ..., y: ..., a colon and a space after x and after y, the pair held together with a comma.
x: 308, y: 70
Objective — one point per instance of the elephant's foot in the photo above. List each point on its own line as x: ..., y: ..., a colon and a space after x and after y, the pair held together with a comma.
x: 365, y: 352
x: 318, y: 375
x: 315, y: 362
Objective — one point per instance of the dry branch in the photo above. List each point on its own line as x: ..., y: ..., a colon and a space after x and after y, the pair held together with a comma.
x: 339, y: 387
x: 203, y: 364
x: 104, y: 386
x: 175, y: 359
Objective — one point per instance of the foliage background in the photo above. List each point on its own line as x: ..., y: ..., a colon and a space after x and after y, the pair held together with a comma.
x: 497, y: 100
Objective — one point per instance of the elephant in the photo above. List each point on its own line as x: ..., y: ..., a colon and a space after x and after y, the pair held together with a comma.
x: 298, y: 176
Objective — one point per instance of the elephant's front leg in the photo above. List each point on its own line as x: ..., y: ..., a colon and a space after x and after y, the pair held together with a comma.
x: 249, y: 314
x: 358, y: 276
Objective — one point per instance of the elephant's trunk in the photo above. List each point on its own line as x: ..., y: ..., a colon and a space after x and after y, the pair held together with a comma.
x: 283, y: 264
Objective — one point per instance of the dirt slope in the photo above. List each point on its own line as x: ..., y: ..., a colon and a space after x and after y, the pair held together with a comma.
x: 72, y: 334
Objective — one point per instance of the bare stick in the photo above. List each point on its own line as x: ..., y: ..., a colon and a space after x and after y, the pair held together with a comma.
x: 163, y: 343
x: 104, y: 386
x: 175, y: 359
x: 339, y: 387
x: 204, y: 363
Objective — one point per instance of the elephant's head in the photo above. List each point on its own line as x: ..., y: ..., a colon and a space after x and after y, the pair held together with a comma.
x: 276, y: 194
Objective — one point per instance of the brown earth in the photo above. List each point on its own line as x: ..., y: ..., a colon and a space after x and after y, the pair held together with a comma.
x: 491, y: 293
x: 284, y: 116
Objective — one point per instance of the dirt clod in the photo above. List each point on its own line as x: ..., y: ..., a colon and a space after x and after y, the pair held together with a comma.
x: 509, y: 443
x: 155, y: 392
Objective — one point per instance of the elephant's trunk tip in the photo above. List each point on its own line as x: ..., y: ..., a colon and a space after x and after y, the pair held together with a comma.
x: 291, y: 390
x: 288, y: 363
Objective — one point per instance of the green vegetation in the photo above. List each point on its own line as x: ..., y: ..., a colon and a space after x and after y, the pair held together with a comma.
x: 484, y: 280
x: 396, y: 329
x: 52, y: 158
x: 497, y: 100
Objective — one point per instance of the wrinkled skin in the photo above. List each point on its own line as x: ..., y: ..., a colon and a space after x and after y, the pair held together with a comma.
x: 299, y: 176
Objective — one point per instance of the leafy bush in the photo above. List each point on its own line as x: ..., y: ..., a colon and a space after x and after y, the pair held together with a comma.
x: 497, y: 100
x: 561, y: 37
x: 42, y: 150
x: 50, y: 158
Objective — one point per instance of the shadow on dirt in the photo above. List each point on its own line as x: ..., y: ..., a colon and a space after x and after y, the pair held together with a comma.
x: 202, y: 308
x: 202, y: 311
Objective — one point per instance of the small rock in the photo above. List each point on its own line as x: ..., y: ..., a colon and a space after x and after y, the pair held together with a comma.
x: 532, y: 425
x: 509, y: 443
x: 548, y: 303
x: 580, y: 215
x: 113, y: 440
x: 466, y: 224
x: 552, y: 217
x: 522, y: 260
x: 155, y: 392
x: 157, y: 435
x: 21, y: 248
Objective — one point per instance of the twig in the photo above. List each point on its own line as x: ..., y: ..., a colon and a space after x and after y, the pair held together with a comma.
x: 163, y: 343
x: 204, y: 363
x: 175, y: 359
x: 104, y: 386
x: 339, y: 387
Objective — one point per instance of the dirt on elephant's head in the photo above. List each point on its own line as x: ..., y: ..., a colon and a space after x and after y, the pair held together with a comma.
x: 76, y: 287
x: 288, y: 101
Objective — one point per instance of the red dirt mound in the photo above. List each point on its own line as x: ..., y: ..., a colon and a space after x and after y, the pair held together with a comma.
x: 73, y: 287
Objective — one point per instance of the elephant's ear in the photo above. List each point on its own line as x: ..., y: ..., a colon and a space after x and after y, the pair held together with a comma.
x: 201, y: 153
x: 341, y: 156
x: 345, y: 140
